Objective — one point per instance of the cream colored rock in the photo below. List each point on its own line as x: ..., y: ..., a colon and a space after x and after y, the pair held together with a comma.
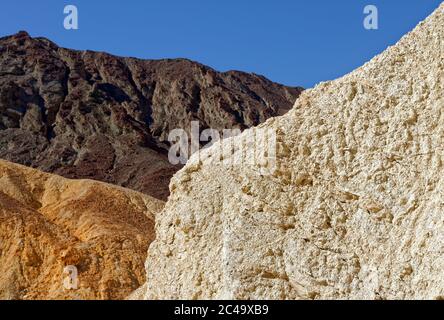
x: 355, y: 209
x: 49, y: 224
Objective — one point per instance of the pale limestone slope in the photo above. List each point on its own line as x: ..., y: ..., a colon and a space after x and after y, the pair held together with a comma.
x: 48, y: 223
x: 355, y: 209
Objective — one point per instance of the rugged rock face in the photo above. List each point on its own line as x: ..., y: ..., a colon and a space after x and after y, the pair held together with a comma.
x: 93, y: 115
x: 48, y: 223
x: 353, y: 210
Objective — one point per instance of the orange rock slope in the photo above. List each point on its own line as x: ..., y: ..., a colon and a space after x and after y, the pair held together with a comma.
x: 52, y: 227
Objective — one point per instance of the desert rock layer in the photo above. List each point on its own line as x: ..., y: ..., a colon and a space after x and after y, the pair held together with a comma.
x: 49, y: 224
x: 353, y: 210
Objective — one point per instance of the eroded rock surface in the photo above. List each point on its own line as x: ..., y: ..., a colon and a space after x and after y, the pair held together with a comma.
x: 354, y: 209
x: 49, y: 223
x: 83, y: 114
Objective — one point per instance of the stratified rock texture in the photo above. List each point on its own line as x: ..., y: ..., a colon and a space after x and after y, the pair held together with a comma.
x: 354, y: 209
x: 48, y: 223
x: 83, y: 114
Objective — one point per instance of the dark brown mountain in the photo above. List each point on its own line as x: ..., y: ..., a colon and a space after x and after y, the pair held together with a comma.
x: 83, y: 114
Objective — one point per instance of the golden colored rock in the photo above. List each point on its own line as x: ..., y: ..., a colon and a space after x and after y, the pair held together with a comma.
x: 52, y: 227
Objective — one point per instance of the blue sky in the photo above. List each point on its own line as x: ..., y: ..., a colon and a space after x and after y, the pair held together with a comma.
x: 293, y: 42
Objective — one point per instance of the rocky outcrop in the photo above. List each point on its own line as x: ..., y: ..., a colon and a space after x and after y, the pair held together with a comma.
x: 83, y: 114
x: 70, y: 239
x: 352, y: 210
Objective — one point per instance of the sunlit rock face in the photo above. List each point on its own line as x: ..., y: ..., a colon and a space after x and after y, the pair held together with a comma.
x: 353, y: 210
x: 71, y: 239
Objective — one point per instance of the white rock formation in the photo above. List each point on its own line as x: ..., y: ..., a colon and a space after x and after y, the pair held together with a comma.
x: 354, y: 209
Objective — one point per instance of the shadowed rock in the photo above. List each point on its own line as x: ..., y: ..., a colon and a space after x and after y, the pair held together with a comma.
x: 84, y: 114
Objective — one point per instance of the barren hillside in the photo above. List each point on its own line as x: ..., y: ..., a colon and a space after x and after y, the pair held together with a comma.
x: 48, y: 223
x: 84, y: 114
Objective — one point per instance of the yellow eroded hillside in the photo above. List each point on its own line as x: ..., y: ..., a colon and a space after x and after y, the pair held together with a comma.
x: 52, y: 227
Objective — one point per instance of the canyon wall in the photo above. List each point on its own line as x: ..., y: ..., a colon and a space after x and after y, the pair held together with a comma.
x: 352, y: 210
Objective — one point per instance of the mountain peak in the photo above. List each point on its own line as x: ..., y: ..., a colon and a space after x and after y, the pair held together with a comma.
x: 86, y: 114
x: 22, y: 34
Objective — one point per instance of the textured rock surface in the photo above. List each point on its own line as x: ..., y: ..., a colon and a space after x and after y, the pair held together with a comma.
x: 83, y: 114
x: 355, y: 208
x: 48, y: 223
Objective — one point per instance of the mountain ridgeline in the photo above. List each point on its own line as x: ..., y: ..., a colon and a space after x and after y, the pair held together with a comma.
x: 84, y: 114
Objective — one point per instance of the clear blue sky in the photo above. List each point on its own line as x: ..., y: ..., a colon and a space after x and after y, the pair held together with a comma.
x: 293, y: 42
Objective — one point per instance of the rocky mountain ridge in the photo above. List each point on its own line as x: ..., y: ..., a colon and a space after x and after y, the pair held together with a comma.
x: 84, y: 114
